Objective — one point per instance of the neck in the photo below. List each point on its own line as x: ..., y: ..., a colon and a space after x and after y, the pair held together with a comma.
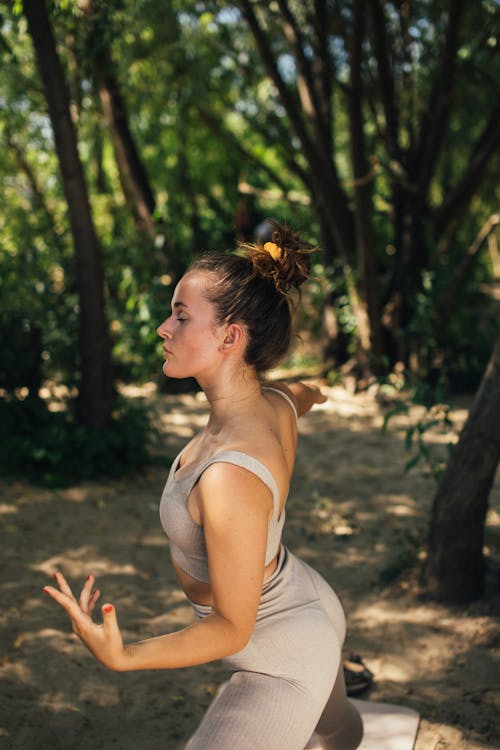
x: 231, y: 396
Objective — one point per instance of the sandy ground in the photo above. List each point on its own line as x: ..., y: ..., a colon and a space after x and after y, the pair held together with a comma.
x: 353, y: 513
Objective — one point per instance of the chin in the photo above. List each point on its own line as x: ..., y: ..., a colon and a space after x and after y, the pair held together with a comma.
x: 169, y: 373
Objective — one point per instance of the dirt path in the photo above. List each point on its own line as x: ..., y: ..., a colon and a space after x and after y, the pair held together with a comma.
x: 353, y: 513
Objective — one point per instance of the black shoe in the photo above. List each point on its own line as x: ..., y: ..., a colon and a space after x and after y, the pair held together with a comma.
x: 358, y: 677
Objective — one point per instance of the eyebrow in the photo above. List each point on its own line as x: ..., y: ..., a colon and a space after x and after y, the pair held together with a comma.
x: 179, y: 304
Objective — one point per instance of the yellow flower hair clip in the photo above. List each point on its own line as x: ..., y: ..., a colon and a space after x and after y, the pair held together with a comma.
x: 273, y: 249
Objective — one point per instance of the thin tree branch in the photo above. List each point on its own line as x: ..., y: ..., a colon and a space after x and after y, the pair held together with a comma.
x: 445, y: 305
x: 386, y: 79
x: 133, y: 175
x: 274, y: 130
x: 324, y: 177
x: 309, y: 92
x: 271, y: 67
x: 435, y: 118
x: 296, y: 40
x: 39, y: 202
x: 324, y: 63
x: 234, y: 144
x: 455, y: 204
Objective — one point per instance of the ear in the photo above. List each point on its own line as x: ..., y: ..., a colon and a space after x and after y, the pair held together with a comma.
x: 234, y: 337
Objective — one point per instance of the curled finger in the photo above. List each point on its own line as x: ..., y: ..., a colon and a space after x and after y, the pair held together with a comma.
x: 93, y: 601
x: 86, y: 593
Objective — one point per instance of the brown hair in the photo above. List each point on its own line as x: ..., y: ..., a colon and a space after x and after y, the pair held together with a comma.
x: 255, y: 289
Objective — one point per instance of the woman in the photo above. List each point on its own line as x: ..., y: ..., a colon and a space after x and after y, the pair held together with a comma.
x: 271, y: 618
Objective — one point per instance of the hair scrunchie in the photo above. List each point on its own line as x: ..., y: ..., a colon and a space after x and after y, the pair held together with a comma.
x: 273, y: 249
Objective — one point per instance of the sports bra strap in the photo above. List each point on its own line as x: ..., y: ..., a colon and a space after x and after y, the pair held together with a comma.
x: 238, y: 458
x: 284, y: 395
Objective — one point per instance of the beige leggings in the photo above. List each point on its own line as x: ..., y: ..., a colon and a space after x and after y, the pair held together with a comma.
x: 287, y: 682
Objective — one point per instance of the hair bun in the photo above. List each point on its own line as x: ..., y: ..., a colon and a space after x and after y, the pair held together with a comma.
x: 285, y: 258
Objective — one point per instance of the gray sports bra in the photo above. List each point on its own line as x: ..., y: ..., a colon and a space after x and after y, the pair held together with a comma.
x: 186, y: 537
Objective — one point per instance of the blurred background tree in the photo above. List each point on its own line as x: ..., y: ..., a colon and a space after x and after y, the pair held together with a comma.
x: 373, y: 125
x: 395, y: 141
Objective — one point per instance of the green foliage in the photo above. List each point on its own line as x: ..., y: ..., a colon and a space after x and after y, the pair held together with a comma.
x: 434, y: 415
x: 404, y: 556
x: 209, y: 125
x: 50, y: 448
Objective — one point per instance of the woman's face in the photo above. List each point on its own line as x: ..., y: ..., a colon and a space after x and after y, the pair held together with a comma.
x: 191, y: 336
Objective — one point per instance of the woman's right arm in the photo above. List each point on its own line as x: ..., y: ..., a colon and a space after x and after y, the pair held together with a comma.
x: 305, y: 396
x: 235, y: 506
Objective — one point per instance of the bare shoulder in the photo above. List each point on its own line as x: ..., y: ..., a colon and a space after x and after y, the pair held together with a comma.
x: 226, y: 489
x: 286, y: 392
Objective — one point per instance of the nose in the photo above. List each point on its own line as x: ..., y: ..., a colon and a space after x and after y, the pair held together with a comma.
x: 163, y: 329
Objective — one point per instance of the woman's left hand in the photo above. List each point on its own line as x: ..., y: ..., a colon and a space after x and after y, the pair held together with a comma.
x: 103, y: 641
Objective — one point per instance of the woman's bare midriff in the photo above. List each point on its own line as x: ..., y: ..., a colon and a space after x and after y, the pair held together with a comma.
x: 200, y: 592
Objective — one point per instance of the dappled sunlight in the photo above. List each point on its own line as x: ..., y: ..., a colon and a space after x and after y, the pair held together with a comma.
x: 180, y: 616
x: 59, y: 703
x: 493, y: 518
x: 75, y: 494
x: 182, y: 425
x: 144, y: 390
x: 152, y: 540
x: 387, y: 614
x: 61, y: 640
x: 15, y: 669
x: 400, y: 510
x: 345, y: 404
x: 353, y: 513
x: 430, y: 732
x: 397, y: 505
x: 100, y: 694
x: 79, y: 562
x: 394, y: 669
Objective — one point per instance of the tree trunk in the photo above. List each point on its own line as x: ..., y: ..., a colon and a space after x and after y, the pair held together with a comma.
x: 454, y: 570
x: 411, y: 255
x: 132, y: 172
x: 371, y: 341
x: 96, y: 386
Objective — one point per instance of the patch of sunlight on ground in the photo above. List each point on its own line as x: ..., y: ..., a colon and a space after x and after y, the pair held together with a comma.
x: 182, y: 615
x: 433, y: 617
x: 153, y: 540
x: 393, y: 668
x: 430, y: 735
x: 398, y: 505
x: 19, y: 672
x: 75, y: 494
x: 341, y: 402
x: 79, y: 562
x: 181, y: 424
x: 493, y: 517
x: 58, y: 701
x: 101, y: 695
x: 145, y: 390
x: 384, y: 613
x: 6, y: 508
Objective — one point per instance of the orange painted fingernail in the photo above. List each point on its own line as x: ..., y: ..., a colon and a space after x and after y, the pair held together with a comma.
x: 107, y: 608
x: 88, y: 578
x: 46, y: 590
x: 54, y: 575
